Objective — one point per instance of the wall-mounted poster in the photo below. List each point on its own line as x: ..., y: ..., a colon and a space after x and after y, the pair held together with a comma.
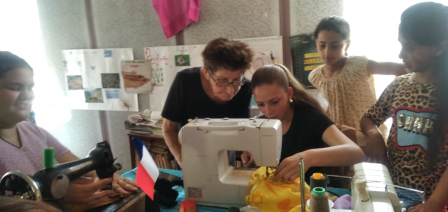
x: 305, y: 57
x: 94, y: 80
x: 268, y: 50
x: 137, y: 76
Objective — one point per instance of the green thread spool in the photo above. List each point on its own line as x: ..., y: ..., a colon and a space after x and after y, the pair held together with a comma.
x: 48, y: 157
x: 319, y: 200
x: 233, y: 208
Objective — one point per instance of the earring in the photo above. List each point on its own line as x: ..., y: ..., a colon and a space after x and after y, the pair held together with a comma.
x: 290, y: 100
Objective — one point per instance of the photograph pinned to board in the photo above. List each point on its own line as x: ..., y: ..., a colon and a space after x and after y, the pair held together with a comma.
x: 102, y: 83
x: 74, y: 82
x: 94, y: 95
x: 112, y: 94
x: 110, y: 80
x: 181, y: 57
x: 137, y: 76
x: 182, y: 60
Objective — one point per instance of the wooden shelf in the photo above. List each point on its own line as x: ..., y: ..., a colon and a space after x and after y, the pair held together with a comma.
x: 149, y: 140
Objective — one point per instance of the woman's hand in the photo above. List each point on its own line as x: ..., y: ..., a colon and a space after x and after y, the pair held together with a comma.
x: 247, y: 159
x: 427, y: 207
x: 289, y: 168
x: 375, y: 149
x: 86, y: 190
x: 123, y: 185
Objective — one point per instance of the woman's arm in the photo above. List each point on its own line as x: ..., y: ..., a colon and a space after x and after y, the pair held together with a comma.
x: 119, y: 183
x: 438, y: 199
x: 385, y: 68
x: 376, y: 147
x: 342, y: 152
x: 341, y: 147
x: 170, y: 133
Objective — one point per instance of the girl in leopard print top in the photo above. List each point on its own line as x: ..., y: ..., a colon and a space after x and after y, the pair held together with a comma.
x: 416, y: 150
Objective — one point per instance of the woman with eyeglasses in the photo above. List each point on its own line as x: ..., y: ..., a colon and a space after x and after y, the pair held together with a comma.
x: 216, y: 90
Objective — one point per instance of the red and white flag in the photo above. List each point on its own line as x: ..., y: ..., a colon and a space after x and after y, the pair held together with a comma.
x: 147, y: 171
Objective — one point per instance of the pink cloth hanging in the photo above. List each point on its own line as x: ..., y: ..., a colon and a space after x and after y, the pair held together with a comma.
x: 175, y: 15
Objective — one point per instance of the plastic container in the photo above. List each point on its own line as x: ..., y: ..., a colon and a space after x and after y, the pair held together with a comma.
x: 319, y: 200
x: 318, y: 180
x: 249, y: 209
x: 187, y: 206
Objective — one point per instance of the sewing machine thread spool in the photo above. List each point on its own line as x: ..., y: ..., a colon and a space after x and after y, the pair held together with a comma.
x: 319, y: 200
x: 48, y: 157
x: 318, y: 180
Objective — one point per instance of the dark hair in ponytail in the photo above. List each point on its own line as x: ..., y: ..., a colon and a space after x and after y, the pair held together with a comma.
x: 279, y: 74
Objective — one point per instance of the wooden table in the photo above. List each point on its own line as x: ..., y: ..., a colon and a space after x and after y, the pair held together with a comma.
x: 131, y: 203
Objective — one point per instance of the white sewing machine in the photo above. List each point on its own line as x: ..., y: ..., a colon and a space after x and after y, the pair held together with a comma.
x: 208, y: 178
x: 373, y: 189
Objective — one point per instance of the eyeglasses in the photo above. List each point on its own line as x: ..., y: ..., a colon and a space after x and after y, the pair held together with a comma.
x: 225, y: 83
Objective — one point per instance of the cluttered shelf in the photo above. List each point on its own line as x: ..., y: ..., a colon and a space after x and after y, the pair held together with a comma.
x: 157, y: 148
x: 147, y: 126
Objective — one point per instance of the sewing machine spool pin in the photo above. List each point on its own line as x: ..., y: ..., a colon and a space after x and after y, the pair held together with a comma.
x: 302, y: 185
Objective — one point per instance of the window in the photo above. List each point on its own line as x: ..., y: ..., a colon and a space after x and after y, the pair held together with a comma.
x: 374, y: 32
x: 21, y: 35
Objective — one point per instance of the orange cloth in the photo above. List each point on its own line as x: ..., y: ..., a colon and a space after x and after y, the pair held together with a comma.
x: 269, y: 195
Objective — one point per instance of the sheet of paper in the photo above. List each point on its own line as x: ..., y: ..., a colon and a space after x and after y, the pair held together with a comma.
x: 94, y: 80
x: 165, y: 64
x: 268, y: 50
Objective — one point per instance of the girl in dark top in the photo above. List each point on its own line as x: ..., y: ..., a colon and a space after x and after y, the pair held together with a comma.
x: 306, y: 129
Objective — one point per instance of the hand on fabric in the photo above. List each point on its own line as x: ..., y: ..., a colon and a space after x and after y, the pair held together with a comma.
x: 85, y: 190
x: 427, y: 207
x: 247, y: 159
x: 289, y: 170
x: 375, y: 150
x: 123, y: 185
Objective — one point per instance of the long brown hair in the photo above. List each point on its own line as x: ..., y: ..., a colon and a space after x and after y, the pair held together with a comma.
x: 14, y: 204
x: 416, y: 22
x: 279, y: 74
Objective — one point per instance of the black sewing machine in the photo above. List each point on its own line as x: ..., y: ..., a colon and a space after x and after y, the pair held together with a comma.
x: 51, y: 184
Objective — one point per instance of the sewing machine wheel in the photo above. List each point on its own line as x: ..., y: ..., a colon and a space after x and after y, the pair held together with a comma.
x: 15, y: 183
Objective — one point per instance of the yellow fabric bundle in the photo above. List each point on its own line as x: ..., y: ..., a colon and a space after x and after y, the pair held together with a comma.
x: 269, y: 195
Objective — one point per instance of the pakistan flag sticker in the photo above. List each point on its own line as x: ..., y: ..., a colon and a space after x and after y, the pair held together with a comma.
x: 182, y: 60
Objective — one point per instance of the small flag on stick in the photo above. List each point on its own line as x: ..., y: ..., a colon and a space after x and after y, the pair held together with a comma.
x: 147, y: 171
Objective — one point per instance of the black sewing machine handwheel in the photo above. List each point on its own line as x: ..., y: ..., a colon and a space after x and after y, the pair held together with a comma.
x: 15, y: 183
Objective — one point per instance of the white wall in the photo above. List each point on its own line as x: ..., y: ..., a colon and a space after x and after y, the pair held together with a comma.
x: 134, y: 23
